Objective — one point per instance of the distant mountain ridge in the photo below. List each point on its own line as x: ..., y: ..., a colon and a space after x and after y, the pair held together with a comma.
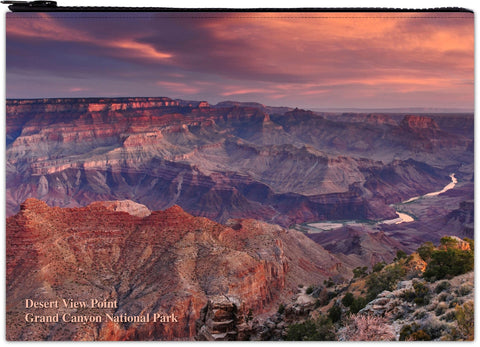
x: 230, y: 161
x: 428, y: 110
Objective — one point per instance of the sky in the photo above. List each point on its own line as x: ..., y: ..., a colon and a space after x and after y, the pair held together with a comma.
x: 314, y: 60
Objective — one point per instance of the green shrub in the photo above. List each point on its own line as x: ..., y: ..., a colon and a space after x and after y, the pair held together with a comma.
x: 443, y: 297
x: 358, y: 304
x: 420, y: 335
x: 360, y: 272
x: 385, y: 280
x: 448, y: 263
x: 407, y: 330
x: 464, y: 289
x: 335, y: 313
x: 420, y: 314
x: 448, y: 241
x: 434, y: 328
x: 302, y: 331
x: 422, y: 293
x: 449, y: 316
x: 348, y: 299
x: 465, y: 317
x: 413, y: 333
x: 378, y: 266
x: 281, y: 308
x: 420, y: 301
x: 321, y: 329
x: 408, y: 295
x: 309, y: 290
x: 444, y: 285
x: 425, y: 251
x: 331, y: 295
x: 400, y: 255
x: 329, y: 283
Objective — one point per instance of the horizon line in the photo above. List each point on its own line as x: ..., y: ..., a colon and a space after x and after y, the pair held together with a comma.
x: 392, y: 109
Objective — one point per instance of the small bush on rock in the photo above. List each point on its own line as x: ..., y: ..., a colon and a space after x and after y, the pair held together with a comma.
x: 321, y: 329
x: 448, y: 261
x: 348, y: 299
x: 444, y: 285
x: 368, y: 328
x: 358, y: 304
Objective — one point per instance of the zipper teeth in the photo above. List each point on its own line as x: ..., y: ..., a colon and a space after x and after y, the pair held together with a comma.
x: 26, y: 8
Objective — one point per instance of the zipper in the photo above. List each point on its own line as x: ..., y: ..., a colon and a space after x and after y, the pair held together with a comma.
x: 51, y: 6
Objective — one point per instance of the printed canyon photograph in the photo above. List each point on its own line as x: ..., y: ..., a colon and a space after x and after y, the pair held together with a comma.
x: 240, y: 176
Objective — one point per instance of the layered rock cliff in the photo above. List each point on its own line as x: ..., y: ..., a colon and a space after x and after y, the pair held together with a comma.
x: 164, y: 263
x: 231, y: 160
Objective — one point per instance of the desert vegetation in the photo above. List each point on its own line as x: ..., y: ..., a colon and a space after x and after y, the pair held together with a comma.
x: 424, y: 296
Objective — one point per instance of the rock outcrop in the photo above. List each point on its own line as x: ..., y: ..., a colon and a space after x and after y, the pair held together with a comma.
x: 419, y: 122
x: 166, y: 263
x: 436, y: 316
x: 128, y: 206
x: 390, y: 303
x: 223, y: 319
x: 219, y: 320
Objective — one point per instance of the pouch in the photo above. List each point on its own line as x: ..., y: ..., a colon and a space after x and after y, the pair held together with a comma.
x: 238, y: 174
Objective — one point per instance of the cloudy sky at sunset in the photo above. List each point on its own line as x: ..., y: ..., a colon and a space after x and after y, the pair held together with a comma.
x: 313, y: 60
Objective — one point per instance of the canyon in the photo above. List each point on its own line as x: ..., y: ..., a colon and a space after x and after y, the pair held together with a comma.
x: 230, y: 160
x: 169, y: 206
x: 165, y: 262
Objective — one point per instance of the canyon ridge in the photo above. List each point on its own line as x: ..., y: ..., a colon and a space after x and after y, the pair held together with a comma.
x: 166, y: 205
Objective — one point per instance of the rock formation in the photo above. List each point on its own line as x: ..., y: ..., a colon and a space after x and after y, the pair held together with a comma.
x: 231, y: 160
x: 168, y: 262
x: 128, y: 206
x: 219, y: 320
x: 419, y: 122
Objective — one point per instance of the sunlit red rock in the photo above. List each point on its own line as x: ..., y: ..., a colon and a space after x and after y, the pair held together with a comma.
x: 168, y: 261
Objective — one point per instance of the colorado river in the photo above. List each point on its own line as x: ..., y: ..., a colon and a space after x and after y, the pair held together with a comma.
x: 402, y: 217
x: 405, y: 218
x: 449, y: 186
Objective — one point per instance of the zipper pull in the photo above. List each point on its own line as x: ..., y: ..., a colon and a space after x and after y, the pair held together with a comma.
x: 26, y: 5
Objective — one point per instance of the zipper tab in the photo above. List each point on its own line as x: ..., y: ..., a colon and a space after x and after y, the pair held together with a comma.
x: 51, y: 6
x: 29, y: 5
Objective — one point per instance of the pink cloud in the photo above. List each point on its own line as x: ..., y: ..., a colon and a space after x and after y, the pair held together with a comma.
x: 285, y: 57
x: 178, y: 87
x: 242, y: 91
x: 47, y: 27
